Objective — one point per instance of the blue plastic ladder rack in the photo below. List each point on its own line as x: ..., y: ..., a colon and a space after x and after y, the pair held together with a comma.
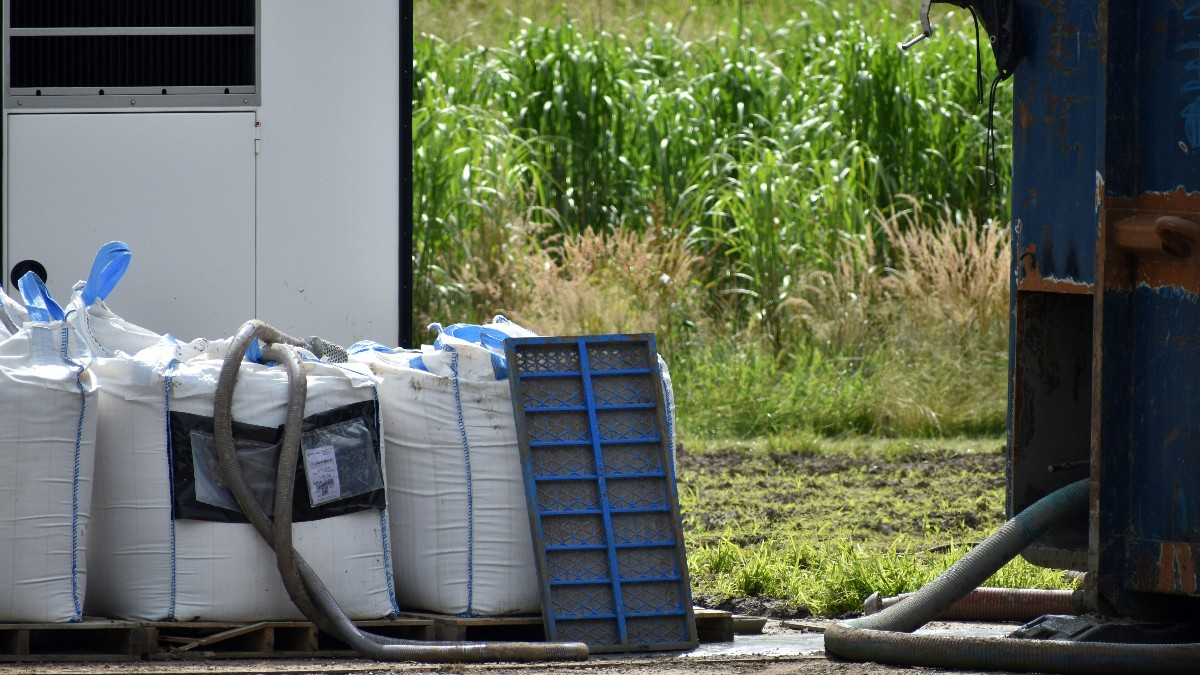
x: 600, y: 483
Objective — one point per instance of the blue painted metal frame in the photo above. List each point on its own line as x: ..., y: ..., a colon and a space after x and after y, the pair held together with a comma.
x: 603, y: 505
x: 1107, y: 143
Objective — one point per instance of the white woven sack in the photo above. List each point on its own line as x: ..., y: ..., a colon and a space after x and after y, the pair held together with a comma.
x: 13, y: 315
x: 456, y: 498
x: 148, y: 566
x: 47, y: 446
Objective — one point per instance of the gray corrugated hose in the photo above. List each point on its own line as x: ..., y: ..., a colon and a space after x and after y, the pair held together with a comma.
x: 886, y: 637
x: 304, y: 587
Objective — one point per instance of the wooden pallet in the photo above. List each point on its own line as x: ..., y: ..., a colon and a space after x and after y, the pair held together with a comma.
x: 450, y: 628
x: 712, y: 625
x: 90, y: 640
x: 99, y: 640
x: 267, y: 639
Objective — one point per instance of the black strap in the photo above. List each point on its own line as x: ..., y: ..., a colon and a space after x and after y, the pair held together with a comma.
x: 990, y: 161
x: 978, y: 57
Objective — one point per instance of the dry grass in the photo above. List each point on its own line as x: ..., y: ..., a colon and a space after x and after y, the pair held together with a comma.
x: 954, y: 272
x: 925, y: 315
x: 950, y: 271
x: 612, y: 281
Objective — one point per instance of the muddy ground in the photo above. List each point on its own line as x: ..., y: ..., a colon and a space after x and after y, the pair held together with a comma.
x: 814, y: 665
x: 887, y: 496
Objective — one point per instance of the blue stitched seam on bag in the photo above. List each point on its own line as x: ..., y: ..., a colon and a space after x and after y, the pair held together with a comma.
x: 462, y: 430
x: 383, y: 518
x: 170, y: 479
x: 75, y: 484
x: 670, y: 421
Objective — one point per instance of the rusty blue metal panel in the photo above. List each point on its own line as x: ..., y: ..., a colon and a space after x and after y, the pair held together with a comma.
x: 1058, y: 151
x: 1168, y: 69
x: 1107, y: 224
x: 1164, y: 476
x: 1149, y: 489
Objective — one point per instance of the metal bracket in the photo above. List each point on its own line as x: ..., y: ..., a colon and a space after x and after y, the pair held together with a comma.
x: 999, y: 18
x: 1164, y: 249
x: 1170, y: 237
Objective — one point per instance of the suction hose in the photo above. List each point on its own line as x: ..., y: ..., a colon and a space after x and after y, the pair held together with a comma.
x: 886, y: 637
x: 303, y: 585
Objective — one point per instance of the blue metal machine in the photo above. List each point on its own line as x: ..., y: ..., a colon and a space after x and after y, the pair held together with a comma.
x: 1105, y: 346
x: 1104, y: 439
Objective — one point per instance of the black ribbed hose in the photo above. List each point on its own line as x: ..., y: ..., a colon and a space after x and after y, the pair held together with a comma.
x: 886, y: 637
x: 303, y: 585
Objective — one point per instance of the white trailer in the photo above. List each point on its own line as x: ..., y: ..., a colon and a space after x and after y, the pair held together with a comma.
x: 248, y: 151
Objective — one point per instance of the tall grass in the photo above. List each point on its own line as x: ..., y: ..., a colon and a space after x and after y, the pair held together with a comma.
x: 564, y: 167
x: 907, y: 338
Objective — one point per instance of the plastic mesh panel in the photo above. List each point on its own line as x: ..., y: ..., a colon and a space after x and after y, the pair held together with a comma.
x: 565, y: 427
x: 547, y: 359
x: 631, y: 459
x: 581, y: 530
x: 623, y: 390
x: 646, y: 563
x: 651, y: 598
x: 571, y: 460
x: 593, y: 632
x: 568, y: 496
x: 581, y: 601
x: 604, y: 356
x: 656, y: 630
x: 627, y: 425
x: 582, y: 565
x: 553, y: 392
x: 643, y: 528
x: 637, y: 493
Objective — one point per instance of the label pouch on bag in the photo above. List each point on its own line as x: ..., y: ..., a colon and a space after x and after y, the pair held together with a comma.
x: 323, y: 482
x: 338, y: 473
x: 339, y: 461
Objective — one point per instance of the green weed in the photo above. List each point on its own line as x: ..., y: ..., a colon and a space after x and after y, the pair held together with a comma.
x: 822, y: 532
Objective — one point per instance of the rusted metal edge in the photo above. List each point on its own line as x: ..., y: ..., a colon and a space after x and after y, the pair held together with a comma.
x: 1165, y: 566
x: 1030, y: 277
x: 1136, y: 250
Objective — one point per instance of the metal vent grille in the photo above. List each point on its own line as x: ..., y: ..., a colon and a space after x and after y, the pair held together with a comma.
x: 116, y: 52
x: 145, y: 13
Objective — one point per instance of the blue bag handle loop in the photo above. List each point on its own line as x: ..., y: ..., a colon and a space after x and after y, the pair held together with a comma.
x: 488, y: 338
x: 42, y: 308
x: 111, y: 262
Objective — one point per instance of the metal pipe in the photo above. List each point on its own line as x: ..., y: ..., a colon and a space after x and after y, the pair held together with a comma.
x: 996, y: 604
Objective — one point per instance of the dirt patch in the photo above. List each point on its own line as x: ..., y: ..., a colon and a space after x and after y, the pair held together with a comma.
x: 769, y: 607
x: 740, y: 461
x: 812, y: 664
x: 758, y: 520
x: 750, y: 496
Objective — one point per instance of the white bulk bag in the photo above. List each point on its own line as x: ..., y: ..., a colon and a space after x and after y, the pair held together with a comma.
x: 151, y: 560
x: 47, y: 445
x: 13, y: 315
x: 456, y: 499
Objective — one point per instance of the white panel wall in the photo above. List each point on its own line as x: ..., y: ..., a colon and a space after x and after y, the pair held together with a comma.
x: 177, y: 187
x: 328, y: 170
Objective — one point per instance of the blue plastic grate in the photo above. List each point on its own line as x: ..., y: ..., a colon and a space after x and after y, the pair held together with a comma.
x: 603, y: 509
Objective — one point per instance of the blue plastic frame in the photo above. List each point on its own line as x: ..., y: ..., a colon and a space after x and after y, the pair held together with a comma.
x: 603, y: 503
